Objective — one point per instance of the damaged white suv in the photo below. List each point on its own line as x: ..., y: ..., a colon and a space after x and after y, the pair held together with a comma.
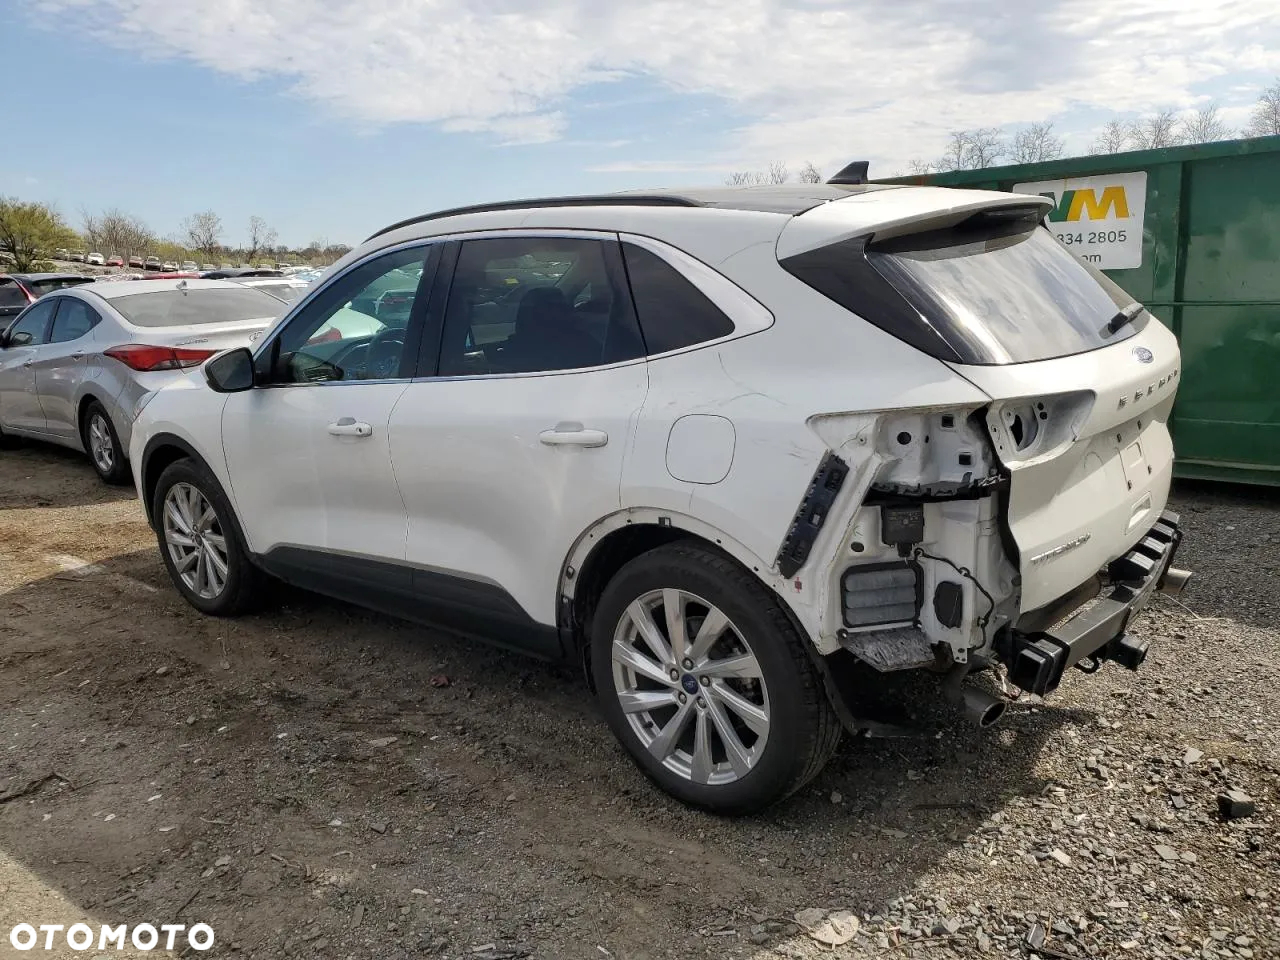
x: 711, y: 444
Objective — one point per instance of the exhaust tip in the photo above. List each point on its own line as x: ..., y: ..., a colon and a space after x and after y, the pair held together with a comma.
x: 1174, y: 581
x: 991, y: 716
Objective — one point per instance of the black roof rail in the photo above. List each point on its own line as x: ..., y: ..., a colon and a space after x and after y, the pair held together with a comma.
x: 605, y: 200
x: 855, y: 174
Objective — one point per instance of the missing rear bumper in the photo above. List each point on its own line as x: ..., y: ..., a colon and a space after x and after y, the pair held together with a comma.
x: 1037, y: 660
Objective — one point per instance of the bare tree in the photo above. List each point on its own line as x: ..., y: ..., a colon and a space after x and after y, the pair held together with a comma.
x: 261, y: 237
x: 957, y: 155
x: 1036, y: 143
x: 921, y: 168
x: 778, y: 172
x: 745, y: 178
x: 1114, y: 138
x: 203, y: 231
x: 1265, y: 121
x: 92, y: 229
x: 986, y: 146
x: 810, y: 174
x: 1204, y: 126
x: 1160, y: 129
x: 116, y: 232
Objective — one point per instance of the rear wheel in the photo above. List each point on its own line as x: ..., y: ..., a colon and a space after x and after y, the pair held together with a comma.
x: 102, y: 445
x: 200, y: 543
x: 707, y: 683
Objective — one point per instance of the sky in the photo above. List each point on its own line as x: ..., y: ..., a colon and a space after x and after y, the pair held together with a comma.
x: 332, y: 118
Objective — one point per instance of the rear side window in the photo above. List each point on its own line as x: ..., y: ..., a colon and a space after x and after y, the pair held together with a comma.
x: 75, y: 318
x: 987, y: 291
x: 11, y: 294
x: 535, y: 305
x: 180, y: 308
x: 673, y: 313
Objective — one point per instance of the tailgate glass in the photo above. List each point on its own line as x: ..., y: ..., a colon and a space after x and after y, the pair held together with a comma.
x: 1003, y: 293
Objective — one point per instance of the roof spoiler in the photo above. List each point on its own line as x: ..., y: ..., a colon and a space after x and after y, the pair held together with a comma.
x: 854, y: 175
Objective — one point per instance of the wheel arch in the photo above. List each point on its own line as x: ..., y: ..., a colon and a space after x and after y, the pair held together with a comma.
x: 613, y: 541
x: 90, y: 396
x: 160, y: 451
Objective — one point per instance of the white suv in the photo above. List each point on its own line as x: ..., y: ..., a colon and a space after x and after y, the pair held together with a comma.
x: 717, y: 445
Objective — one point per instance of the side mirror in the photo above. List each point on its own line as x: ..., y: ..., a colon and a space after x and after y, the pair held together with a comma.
x: 230, y: 372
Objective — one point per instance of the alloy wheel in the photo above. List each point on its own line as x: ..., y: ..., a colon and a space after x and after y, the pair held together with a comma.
x: 690, y: 687
x: 196, y: 541
x: 101, y: 447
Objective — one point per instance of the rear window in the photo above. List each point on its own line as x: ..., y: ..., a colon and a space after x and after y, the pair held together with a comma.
x: 178, y: 308
x: 41, y: 287
x: 987, y: 291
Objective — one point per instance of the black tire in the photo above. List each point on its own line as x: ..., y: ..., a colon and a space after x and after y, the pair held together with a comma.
x: 242, y: 589
x: 803, y: 728
x: 116, y: 469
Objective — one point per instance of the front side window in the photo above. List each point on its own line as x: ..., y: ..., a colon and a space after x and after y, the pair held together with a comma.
x: 356, y: 329
x: 673, y: 313
x: 536, y: 304
x: 29, y: 329
x: 75, y: 318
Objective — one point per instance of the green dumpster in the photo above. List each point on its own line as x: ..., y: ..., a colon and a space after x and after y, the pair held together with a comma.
x: 1194, y: 233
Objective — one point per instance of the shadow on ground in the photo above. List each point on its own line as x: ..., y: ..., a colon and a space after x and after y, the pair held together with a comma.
x: 319, y: 772
x: 44, y: 475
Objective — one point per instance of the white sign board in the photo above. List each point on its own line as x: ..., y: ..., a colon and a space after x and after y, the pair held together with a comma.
x: 1098, y: 218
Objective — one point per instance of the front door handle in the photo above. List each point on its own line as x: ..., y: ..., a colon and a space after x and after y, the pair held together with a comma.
x: 350, y: 427
x: 27, y: 363
x: 573, y: 435
x: 78, y: 355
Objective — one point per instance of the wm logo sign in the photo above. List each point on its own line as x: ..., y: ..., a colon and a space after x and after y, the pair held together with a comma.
x: 1089, y: 204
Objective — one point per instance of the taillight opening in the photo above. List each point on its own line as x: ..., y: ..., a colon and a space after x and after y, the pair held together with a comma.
x: 145, y: 357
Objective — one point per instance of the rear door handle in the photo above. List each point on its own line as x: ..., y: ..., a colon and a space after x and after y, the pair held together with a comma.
x: 573, y: 435
x: 27, y: 363
x: 350, y: 427
x: 78, y: 355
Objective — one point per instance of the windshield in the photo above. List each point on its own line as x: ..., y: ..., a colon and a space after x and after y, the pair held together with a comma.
x: 178, y: 308
x: 1003, y: 295
x: 41, y: 287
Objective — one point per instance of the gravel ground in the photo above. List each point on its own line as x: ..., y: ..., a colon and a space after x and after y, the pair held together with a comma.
x: 319, y: 781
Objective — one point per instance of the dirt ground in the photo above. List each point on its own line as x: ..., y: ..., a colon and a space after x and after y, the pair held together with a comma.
x: 320, y: 781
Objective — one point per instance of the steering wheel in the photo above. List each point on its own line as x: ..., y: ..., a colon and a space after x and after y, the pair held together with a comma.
x: 382, y: 355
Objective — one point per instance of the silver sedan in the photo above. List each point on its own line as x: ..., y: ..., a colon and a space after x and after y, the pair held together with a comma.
x: 75, y: 365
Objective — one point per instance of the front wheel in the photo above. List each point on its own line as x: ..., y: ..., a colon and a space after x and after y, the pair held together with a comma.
x: 706, y: 682
x: 200, y: 543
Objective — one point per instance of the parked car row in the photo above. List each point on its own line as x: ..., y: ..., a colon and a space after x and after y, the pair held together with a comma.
x: 719, y: 448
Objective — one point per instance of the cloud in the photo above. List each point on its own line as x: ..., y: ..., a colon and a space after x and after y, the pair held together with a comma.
x: 810, y: 79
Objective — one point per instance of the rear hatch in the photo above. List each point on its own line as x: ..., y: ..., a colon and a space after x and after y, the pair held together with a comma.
x: 1082, y: 379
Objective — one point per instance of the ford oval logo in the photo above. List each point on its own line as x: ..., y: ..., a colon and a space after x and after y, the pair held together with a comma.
x: 1143, y: 355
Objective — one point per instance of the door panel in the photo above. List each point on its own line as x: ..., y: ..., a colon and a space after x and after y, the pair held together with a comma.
x: 298, y: 483
x: 19, y: 402
x: 307, y: 452
x: 489, y: 498
x: 62, y: 364
x: 518, y: 448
